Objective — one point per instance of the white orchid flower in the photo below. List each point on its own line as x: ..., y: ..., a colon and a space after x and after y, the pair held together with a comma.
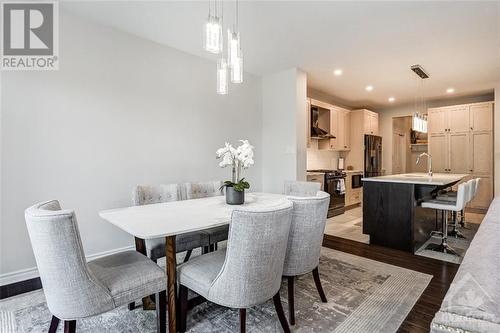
x: 228, y: 155
x: 244, y: 154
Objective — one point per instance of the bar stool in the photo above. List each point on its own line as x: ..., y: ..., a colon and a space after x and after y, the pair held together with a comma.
x: 451, y: 196
x: 447, y: 206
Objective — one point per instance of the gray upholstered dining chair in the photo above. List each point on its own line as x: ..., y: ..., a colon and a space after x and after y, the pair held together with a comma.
x: 196, y: 190
x: 75, y: 289
x: 155, y: 248
x: 248, y: 272
x: 304, y: 243
x: 301, y: 189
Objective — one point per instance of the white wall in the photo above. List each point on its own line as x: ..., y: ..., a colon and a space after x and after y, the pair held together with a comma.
x: 283, y: 128
x: 386, y: 115
x: 120, y: 111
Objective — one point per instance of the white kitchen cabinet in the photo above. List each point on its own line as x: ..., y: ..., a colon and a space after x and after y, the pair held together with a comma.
x: 481, y: 117
x: 370, y: 120
x: 317, y: 178
x: 482, y: 156
x: 374, y: 124
x: 339, y: 126
x: 458, y: 119
x: 459, y: 152
x: 437, y: 121
x: 461, y: 141
x: 484, y: 194
x: 344, y: 129
x: 438, y: 149
x: 347, y: 129
x: 334, y: 128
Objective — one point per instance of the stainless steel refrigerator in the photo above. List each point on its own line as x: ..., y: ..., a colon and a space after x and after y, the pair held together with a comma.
x: 373, y: 156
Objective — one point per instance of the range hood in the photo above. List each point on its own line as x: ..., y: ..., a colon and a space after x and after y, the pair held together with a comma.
x: 317, y: 132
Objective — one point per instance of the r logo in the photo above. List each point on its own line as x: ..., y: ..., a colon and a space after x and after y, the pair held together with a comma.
x: 28, y: 28
x: 29, y: 35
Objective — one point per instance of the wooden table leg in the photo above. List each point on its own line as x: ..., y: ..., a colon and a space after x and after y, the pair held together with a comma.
x: 171, y: 284
x: 147, y: 303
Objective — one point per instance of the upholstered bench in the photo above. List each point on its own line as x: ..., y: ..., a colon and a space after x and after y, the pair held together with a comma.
x: 472, y: 304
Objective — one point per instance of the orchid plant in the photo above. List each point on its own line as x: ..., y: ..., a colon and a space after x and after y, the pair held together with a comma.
x: 238, y: 159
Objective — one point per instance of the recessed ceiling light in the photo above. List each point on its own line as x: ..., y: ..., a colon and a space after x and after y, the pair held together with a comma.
x: 450, y: 90
x: 391, y: 99
x: 338, y: 72
x: 369, y: 88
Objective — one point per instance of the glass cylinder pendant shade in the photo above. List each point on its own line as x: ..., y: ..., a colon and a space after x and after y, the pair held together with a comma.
x: 222, y: 77
x: 237, y: 70
x: 213, y: 35
x: 233, y: 47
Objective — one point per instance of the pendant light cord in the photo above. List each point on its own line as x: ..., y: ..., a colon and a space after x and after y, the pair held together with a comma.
x: 237, y: 16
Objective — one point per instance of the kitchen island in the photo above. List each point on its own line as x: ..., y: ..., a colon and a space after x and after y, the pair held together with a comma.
x: 392, y: 212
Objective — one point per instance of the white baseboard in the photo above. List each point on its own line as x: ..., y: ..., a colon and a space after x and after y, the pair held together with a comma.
x: 31, y: 273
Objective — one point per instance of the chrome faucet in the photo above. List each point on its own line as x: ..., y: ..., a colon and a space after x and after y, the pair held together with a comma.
x: 429, y: 163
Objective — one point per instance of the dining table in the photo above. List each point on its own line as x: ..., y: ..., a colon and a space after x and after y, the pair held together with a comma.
x: 169, y: 219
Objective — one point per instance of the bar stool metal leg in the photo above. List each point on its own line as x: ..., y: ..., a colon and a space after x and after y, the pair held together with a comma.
x: 455, y: 232
x: 443, y: 247
x: 462, y: 220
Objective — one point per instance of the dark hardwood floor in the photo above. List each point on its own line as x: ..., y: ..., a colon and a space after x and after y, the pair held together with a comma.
x: 420, y: 317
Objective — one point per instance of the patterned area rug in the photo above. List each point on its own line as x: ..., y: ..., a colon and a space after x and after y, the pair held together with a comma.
x: 363, y: 296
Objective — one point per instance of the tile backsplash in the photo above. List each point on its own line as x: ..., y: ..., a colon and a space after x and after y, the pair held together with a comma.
x: 321, y: 159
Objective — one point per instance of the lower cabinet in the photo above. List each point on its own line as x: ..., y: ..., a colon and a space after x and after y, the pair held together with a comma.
x: 353, y: 196
x: 484, y: 195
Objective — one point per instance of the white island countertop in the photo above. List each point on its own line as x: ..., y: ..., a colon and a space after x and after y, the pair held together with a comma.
x: 438, y: 179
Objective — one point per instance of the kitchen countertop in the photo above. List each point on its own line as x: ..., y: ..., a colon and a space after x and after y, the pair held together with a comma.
x: 309, y: 173
x: 353, y: 171
x: 418, y: 178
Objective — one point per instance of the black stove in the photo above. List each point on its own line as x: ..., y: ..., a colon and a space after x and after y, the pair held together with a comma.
x: 334, y: 184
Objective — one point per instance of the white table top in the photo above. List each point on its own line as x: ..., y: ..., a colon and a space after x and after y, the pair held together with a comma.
x: 178, y: 217
x: 439, y: 179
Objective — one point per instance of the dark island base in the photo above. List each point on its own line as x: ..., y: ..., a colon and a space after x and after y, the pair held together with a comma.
x: 392, y: 215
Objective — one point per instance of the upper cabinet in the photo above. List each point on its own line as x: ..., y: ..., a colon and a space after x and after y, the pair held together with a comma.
x: 370, y: 120
x: 345, y: 130
x: 339, y: 126
x: 461, y: 118
x: 437, y: 121
x: 481, y: 117
x: 448, y: 119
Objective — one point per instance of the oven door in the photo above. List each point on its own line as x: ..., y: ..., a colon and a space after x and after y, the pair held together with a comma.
x: 337, y: 199
x: 356, y: 181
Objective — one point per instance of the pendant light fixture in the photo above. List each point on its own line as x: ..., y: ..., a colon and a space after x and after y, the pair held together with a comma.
x: 234, y: 54
x: 419, y: 119
x: 213, y: 42
x: 232, y: 67
x: 222, y: 81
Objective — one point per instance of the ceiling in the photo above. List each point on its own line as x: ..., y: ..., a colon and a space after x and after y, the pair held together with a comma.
x: 374, y: 43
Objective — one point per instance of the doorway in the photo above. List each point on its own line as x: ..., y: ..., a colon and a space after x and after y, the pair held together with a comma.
x: 398, y: 153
